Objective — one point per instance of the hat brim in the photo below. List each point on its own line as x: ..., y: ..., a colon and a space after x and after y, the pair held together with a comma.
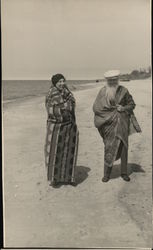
x: 112, y: 78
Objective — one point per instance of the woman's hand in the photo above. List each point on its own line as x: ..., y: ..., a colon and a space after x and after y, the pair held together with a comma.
x: 120, y: 108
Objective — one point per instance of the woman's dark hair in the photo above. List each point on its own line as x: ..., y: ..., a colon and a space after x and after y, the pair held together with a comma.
x: 56, y: 78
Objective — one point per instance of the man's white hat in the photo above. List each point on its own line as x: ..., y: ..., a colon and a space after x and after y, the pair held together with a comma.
x: 113, y: 74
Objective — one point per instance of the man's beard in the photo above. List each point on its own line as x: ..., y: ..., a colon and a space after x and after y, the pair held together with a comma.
x: 111, y: 93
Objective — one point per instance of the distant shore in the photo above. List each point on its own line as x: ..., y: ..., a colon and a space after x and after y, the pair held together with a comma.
x: 17, y: 90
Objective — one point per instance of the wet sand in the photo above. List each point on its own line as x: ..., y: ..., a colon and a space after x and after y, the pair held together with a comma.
x: 93, y: 214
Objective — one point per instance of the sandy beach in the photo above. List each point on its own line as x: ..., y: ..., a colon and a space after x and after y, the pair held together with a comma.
x: 92, y: 214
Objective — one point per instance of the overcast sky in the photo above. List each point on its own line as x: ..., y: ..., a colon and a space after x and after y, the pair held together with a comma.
x: 79, y: 38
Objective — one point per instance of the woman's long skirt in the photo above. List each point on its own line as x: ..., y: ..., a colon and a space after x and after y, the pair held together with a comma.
x: 61, y: 149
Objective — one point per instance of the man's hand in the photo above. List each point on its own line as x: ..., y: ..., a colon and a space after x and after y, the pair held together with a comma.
x: 120, y: 108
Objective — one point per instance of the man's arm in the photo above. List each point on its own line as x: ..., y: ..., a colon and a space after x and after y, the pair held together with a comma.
x: 130, y: 104
x: 97, y: 102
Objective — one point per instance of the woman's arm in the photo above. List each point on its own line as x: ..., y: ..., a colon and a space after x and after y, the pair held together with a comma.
x: 61, y: 105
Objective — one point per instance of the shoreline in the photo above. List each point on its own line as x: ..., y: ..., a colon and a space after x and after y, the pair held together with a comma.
x: 74, y: 88
x: 80, y: 87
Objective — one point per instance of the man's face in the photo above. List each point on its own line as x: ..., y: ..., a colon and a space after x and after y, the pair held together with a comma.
x: 112, y: 82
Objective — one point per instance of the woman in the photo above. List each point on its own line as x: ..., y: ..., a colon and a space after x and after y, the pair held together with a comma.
x: 61, y: 146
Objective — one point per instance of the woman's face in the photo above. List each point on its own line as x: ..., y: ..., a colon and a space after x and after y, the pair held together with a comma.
x: 60, y: 84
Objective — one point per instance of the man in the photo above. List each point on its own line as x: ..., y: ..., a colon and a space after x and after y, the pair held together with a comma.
x: 113, y: 109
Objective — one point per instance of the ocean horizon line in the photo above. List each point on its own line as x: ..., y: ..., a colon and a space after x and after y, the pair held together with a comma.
x: 74, y: 79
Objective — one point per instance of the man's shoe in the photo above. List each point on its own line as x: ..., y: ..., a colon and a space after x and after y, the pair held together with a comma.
x: 105, y: 179
x: 125, y: 177
x: 107, y: 174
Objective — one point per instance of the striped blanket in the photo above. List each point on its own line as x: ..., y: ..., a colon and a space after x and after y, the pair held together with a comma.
x: 62, y: 137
